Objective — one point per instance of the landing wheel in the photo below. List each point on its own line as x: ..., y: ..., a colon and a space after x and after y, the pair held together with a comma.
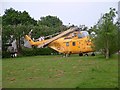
x: 86, y: 54
x: 80, y: 54
x: 93, y: 54
x: 66, y: 55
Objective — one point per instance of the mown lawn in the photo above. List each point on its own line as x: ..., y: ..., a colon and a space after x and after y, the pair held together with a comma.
x: 59, y: 72
x: 0, y: 73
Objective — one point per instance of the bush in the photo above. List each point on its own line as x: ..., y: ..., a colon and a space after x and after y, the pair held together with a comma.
x: 30, y: 52
x: 6, y: 54
x: 36, y: 51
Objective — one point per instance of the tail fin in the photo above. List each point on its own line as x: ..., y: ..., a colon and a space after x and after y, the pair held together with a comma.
x: 29, y: 39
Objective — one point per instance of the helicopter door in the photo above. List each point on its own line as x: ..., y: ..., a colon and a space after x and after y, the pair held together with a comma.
x: 74, y: 48
x: 67, y: 50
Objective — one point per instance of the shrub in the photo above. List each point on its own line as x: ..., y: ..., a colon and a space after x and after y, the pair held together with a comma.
x: 6, y: 54
x: 37, y: 51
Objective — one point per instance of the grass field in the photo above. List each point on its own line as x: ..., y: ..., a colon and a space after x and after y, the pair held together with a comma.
x: 0, y: 73
x: 59, y: 72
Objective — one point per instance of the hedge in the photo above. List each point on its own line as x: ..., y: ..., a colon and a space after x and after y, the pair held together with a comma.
x: 36, y: 51
x: 6, y: 54
x: 31, y: 52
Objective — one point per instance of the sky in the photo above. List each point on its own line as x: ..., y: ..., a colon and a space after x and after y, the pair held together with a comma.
x: 72, y: 11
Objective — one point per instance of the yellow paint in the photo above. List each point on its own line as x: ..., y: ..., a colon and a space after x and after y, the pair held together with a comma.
x: 67, y: 44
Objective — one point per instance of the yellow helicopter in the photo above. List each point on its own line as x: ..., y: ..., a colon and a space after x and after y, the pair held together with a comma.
x: 71, y: 41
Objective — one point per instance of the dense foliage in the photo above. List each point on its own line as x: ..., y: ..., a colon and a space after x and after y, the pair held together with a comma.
x: 17, y: 24
x: 50, y: 21
x: 13, y: 17
x: 107, y: 34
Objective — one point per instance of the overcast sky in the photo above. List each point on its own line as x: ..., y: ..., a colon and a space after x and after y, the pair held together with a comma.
x: 72, y: 12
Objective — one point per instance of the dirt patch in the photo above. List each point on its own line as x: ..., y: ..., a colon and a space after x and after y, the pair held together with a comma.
x: 60, y: 73
x: 11, y: 79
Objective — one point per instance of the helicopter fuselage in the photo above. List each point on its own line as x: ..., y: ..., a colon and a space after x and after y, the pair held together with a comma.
x: 71, y: 41
x: 72, y: 45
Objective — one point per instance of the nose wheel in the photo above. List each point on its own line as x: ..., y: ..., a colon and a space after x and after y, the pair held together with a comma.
x: 80, y: 54
x: 86, y: 54
x: 93, y: 54
x: 66, y: 55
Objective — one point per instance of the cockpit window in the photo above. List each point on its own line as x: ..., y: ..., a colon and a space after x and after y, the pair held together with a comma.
x: 83, y: 34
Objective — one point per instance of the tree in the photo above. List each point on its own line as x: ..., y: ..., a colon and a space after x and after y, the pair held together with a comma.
x: 13, y: 17
x: 15, y: 23
x: 0, y: 25
x: 107, y: 34
x: 118, y: 25
x: 48, y: 25
x: 50, y: 21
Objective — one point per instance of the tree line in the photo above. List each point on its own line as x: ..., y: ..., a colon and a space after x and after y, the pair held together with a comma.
x: 16, y: 24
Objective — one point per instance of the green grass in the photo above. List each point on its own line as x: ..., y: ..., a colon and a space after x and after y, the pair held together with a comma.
x: 0, y: 73
x: 59, y: 72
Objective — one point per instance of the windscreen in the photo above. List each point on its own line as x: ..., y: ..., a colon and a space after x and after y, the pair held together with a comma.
x: 83, y: 34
